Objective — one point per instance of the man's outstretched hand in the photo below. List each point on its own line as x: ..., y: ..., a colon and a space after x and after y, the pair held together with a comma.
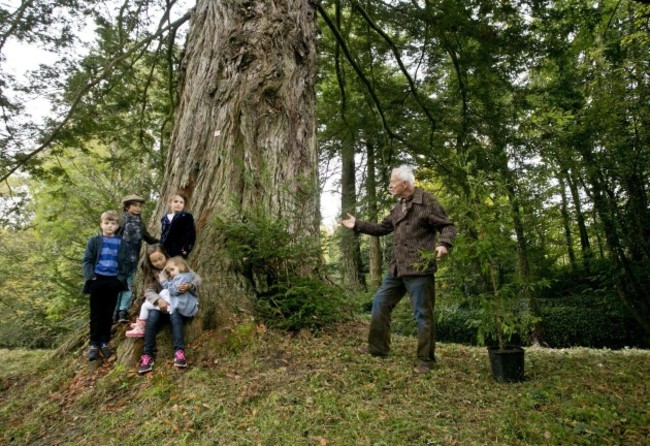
x: 349, y: 221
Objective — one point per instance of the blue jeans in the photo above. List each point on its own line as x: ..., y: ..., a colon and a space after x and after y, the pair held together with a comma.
x: 154, y: 321
x: 125, y: 297
x: 422, y: 292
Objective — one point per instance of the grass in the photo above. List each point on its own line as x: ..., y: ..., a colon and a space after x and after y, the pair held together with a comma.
x: 314, y: 390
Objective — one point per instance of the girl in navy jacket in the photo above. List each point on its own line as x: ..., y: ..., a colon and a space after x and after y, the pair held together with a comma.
x: 178, y: 230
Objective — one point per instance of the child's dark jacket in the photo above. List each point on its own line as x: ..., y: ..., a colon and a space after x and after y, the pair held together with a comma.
x: 91, y: 257
x: 179, y: 235
x: 150, y: 239
x: 132, y: 232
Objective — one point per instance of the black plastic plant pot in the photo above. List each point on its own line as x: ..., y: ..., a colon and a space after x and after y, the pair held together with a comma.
x: 507, y: 364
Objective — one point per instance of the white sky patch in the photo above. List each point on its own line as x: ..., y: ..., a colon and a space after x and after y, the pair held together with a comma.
x: 330, y: 198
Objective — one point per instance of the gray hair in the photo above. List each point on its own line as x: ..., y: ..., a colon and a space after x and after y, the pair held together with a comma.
x: 405, y: 173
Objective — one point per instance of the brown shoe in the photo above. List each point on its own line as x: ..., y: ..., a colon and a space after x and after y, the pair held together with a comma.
x: 421, y: 369
x: 365, y: 350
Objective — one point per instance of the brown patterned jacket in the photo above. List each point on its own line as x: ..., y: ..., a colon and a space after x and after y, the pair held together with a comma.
x: 415, y: 224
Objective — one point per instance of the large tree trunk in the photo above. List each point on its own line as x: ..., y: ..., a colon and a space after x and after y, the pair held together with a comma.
x: 351, y: 265
x: 351, y: 268
x: 375, y: 255
x: 244, y: 135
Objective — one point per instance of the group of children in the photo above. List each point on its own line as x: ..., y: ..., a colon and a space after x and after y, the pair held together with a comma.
x: 171, y: 288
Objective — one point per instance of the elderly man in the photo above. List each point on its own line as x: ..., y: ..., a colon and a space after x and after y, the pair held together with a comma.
x: 415, y: 220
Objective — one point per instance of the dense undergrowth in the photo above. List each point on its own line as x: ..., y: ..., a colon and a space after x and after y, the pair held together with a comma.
x: 277, y: 389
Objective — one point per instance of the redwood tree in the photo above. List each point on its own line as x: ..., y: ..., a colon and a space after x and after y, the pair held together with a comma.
x: 244, y: 135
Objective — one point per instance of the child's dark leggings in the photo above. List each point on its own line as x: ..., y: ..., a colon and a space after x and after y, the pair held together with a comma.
x: 103, y: 296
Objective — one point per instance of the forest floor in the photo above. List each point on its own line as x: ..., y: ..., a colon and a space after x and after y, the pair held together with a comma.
x: 279, y: 389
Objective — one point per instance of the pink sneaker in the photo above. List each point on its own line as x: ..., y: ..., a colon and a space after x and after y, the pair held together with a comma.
x: 138, y: 330
x: 146, y: 364
x: 179, y: 359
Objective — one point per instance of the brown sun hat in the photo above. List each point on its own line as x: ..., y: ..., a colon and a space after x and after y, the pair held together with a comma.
x: 132, y: 198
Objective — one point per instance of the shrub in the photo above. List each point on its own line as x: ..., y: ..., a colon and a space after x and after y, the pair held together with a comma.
x: 566, y: 282
x: 572, y: 326
x: 299, y: 303
x: 452, y: 324
x: 27, y: 326
x: 281, y: 268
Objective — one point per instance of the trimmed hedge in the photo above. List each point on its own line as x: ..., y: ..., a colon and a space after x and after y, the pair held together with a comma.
x: 589, y: 322
x: 584, y: 321
x: 587, y: 327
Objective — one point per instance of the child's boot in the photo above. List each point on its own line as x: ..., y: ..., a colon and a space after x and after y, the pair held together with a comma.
x: 123, y: 316
x: 138, y: 330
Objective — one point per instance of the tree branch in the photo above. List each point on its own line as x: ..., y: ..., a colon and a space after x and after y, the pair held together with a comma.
x: 371, y: 91
x: 357, y: 69
x: 398, y: 58
x: 150, y: 76
x: 337, y: 63
x: 20, y: 12
x: 22, y: 159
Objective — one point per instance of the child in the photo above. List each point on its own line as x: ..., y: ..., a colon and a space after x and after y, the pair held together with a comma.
x: 133, y: 232
x: 179, y: 272
x: 105, y: 266
x: 153, y: 264
x: 184, y: 302
x: 178, y: 232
